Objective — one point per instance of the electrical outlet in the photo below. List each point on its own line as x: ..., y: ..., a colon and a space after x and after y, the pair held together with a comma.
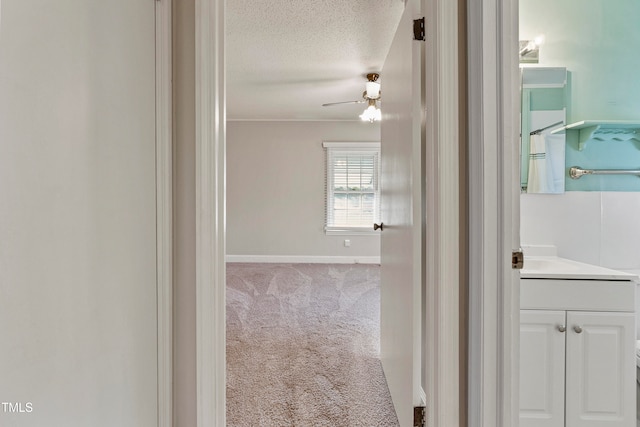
x: 347, y: 243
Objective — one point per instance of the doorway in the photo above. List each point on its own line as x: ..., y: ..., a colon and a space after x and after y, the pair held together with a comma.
x: 579, y: 112
x: 210, y: 193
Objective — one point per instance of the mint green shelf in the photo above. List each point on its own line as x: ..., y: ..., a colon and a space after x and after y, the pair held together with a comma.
x: 602, y: 130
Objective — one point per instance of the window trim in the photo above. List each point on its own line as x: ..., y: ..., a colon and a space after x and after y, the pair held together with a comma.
x: 348, y: 147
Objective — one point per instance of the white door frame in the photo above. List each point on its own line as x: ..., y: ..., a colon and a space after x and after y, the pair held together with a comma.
x: 164, y: 217
x: 494, y: 294
x: 210, y: 214
x: 494, y: 206
x: 443, y: 219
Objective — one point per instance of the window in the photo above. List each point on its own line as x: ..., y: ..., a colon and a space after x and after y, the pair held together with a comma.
x: 353, y: 191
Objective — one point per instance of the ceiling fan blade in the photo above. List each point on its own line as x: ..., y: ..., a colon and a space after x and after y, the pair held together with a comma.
x: 344, y: 102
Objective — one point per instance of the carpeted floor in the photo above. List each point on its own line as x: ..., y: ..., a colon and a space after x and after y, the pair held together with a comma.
x: 303, y: 346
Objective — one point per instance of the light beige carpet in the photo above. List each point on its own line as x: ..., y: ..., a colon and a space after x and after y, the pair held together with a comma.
x: 303, y: 346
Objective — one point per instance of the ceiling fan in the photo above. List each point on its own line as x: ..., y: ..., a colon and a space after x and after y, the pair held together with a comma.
x: 371, y: 96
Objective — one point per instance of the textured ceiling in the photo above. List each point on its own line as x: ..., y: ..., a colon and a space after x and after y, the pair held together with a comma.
x: 285, y: 58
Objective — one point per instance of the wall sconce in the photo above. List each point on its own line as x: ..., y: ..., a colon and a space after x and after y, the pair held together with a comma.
x: 530, y: 50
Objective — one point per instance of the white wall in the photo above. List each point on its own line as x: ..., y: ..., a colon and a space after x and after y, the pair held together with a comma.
x: 275, y: 189
x: 77, y: 213
x: 601, y: 228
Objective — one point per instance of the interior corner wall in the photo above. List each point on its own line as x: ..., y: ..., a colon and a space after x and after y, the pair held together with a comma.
x: 184, y: 214
x: 464, y: 215
x: 276, y: 189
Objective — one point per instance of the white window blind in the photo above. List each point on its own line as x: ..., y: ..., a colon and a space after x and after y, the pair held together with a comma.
x: 353, y: 191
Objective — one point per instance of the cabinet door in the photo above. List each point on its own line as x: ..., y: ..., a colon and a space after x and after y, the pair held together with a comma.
x: 601, y: 374
x: 542, y: 353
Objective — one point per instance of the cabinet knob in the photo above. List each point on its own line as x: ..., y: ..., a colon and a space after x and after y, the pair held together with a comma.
x: 561, y: 328
x: 578, y: 329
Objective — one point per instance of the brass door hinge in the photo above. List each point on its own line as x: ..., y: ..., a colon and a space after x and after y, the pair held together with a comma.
x: 517, y: 259
x: 419, y: 416
x: 418, y: 29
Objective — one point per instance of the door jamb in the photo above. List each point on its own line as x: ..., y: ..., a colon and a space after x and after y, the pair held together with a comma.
x: 443, y: 218
x: 494, y: 200
x: 164, y: 209
x: 210, y: 213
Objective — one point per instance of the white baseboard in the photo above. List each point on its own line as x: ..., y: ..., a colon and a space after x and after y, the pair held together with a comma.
x: 310, y: 259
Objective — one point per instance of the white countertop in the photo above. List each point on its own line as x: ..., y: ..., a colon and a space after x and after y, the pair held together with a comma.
x: 553, y: 267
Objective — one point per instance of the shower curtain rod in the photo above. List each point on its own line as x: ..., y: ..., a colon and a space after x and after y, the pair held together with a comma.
x: 537, y: 131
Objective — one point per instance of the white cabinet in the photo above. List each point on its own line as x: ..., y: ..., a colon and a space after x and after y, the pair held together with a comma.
x: 542, y: 354
x: 600, y: 369
x: 577, y: 363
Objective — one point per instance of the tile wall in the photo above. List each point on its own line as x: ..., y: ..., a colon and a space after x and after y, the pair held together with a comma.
x: 601, y: 228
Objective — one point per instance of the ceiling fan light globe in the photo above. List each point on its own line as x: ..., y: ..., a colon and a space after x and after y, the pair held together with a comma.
x: 371, y: 114
x: 373, y: 90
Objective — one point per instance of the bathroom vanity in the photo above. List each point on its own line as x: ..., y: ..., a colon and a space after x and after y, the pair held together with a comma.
x: 577, y: 345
